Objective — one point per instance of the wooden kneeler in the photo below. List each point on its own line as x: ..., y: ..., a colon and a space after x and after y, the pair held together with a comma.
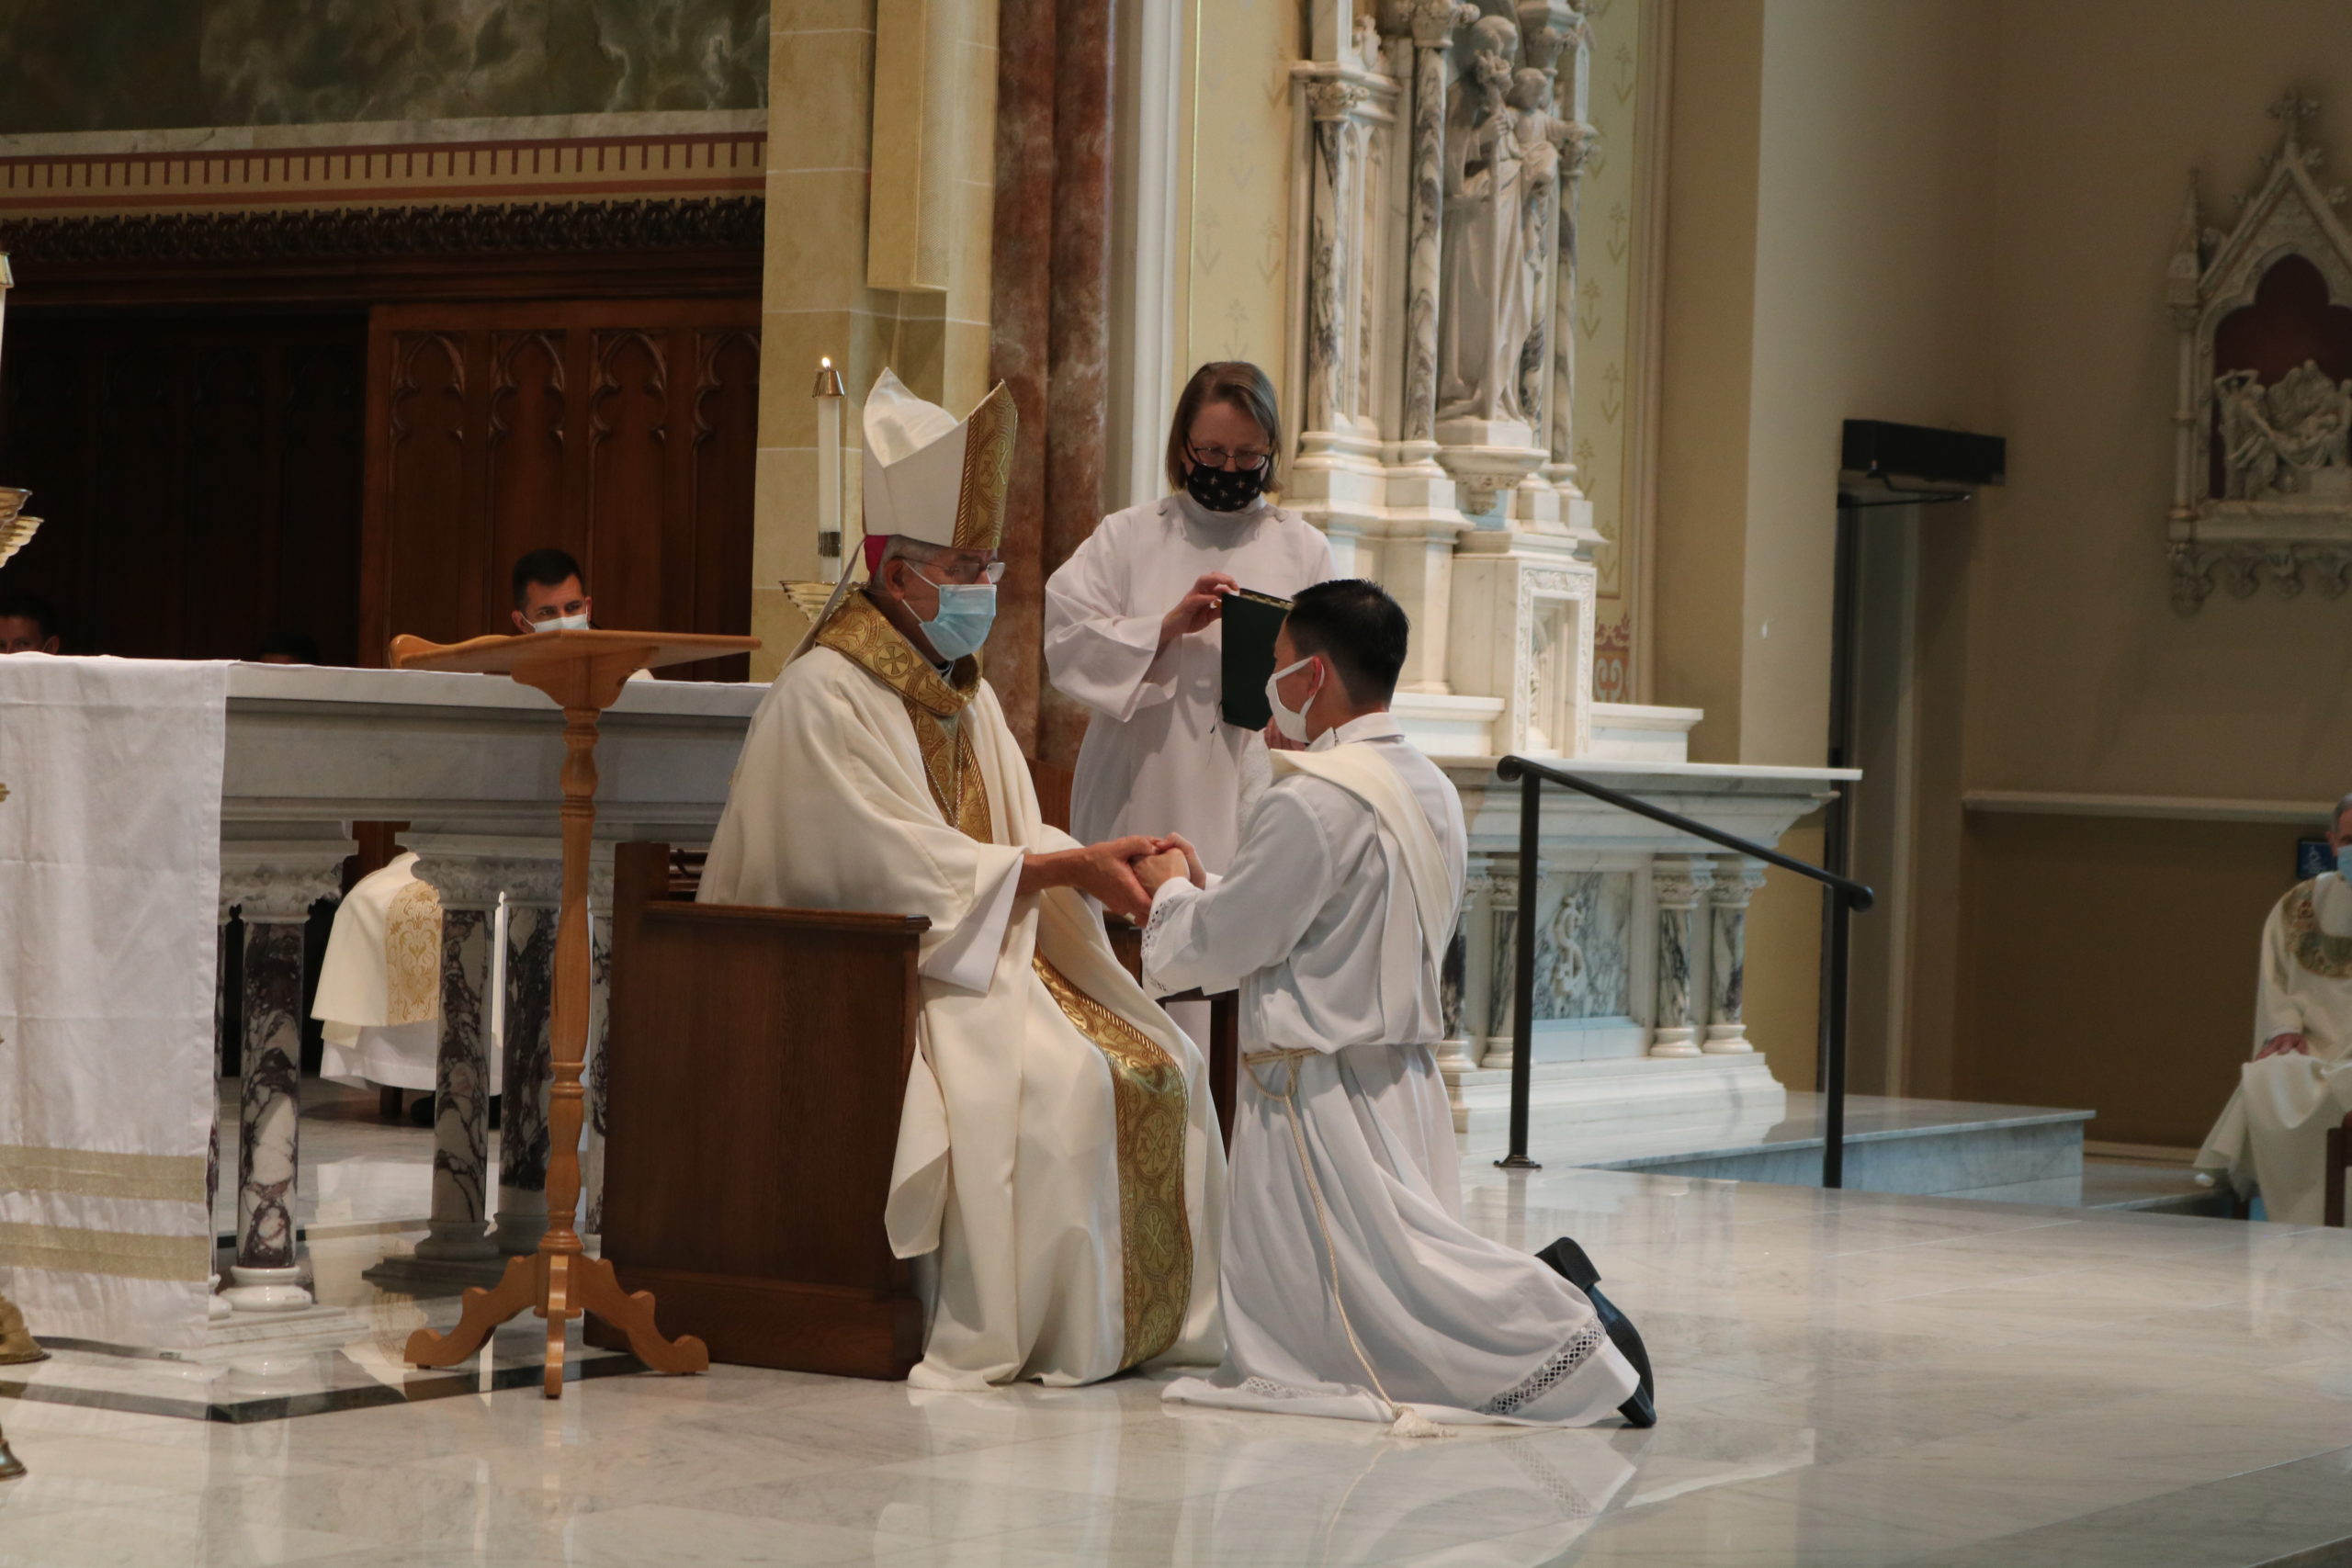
x: 759, y: 1059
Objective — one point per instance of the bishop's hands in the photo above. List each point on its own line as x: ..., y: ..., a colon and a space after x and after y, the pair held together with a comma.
x: 1176, y: 861
x: 1104, y: 872
x: 2289, y: 1044
x: 1199, y: 609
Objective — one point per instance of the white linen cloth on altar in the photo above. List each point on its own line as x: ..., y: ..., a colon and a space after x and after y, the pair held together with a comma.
x: 1069, y: 1183
x: 110, y: 853
x: 2273, y: 1133
x: 1321, y: 920
x: 379, y: 985
x: 1156, y: 758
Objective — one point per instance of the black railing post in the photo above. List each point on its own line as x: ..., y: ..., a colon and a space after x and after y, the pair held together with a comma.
x: 1833, y: 1087
x: 1522, y: 990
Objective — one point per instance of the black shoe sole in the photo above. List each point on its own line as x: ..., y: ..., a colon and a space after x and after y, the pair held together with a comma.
x: 1571, y: 1263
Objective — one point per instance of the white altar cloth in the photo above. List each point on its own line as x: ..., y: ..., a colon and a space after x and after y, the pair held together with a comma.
x: 109, y: 888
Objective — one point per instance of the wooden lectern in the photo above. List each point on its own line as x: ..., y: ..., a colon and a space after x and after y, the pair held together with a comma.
x: 583, y: 671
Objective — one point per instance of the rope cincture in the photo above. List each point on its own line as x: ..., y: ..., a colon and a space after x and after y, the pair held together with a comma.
x: 1405, y: 1422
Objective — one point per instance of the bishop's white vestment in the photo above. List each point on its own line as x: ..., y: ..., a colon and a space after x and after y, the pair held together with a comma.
x: 1334, y: 920
x: 2277, y: 1120
x: 1057, y: 1150
x: 379, y: 984
x: 1157, y: 759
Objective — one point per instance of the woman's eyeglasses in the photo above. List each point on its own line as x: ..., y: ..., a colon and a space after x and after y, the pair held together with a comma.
x: 1242, y: 460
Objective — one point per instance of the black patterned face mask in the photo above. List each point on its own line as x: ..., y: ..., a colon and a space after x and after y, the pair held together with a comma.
x: 1225, y: 489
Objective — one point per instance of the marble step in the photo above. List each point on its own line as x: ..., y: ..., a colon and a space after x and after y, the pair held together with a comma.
x: 1924, y: 1146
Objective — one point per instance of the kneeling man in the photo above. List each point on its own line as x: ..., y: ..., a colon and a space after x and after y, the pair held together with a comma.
x: 1352, y: 1286
x: 1057, y: 1154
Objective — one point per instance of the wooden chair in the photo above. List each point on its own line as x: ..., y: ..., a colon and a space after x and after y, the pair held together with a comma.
x: 759, y: 1061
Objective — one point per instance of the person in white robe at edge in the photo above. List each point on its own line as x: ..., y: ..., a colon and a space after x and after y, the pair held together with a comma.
x: 2272, y: 1136
x: 1058, y: 1166
x: 1132, y: 622
x: 1352, y: 1286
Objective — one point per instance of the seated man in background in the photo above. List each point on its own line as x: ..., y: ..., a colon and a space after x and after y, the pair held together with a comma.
x: 1351, y: 1287
x: 1057, y: 1156
x: 549, y: 593
x: 26, y: 624
x: 2272, y: 1136
x: 288, y: 646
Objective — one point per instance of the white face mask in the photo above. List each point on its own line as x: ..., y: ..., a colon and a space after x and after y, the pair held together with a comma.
x: 561, y: 624
x: 1291, y: 724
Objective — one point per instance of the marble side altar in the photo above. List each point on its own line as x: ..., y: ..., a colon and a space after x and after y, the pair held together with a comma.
x: 1437, y: 155
x: 470, y: 762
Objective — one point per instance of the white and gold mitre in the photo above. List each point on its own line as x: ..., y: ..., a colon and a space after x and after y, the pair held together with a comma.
x: 932, y: 477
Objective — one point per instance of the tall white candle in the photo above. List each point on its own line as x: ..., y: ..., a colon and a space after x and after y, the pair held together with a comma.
x: 829, y: 472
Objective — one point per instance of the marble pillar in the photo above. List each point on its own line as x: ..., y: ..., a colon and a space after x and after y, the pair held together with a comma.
x: 274, y: 896
x: 600, y: 1034
x: 1077, y: 371
x: 1502, y: 964
x: 1331, y: 210
x: 1433, y: 23
x: 218, y: 1308
x: 1737, y: 880
x: 1680, y: 881
x: 461, y: 1086
x: 526, y: 1073
x: 1020, y: 309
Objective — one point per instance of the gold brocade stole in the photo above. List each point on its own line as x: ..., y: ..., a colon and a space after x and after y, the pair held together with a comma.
x: 2329, y: 957
x: 1147, y: 1090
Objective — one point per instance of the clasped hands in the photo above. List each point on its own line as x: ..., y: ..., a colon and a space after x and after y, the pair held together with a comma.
x: 1120, y: 874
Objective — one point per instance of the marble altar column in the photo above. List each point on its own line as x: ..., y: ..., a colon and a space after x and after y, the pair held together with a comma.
x: 1679, y: 880
x: 461, y: 1071
x: 273, y: 894
x: 600, y: 1034
x: 527, y: 1059
x: 1465, y: 978
x: 1332, y: 239
x: 218, y: 1308
x: 1737, y: 880
x: 1502, y: 958
x: 1433, y: 23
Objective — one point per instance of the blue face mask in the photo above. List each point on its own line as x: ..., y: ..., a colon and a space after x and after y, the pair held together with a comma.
x: 966, y: 610
x: 2344, y: 862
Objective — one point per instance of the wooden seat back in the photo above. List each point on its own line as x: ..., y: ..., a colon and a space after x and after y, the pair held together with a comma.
x: 759, y: 1059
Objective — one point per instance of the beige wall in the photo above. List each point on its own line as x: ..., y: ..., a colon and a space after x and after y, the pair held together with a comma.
x: 817, y: 299
x: 1828, y: 177
x: 1958, y: 212
x: 1236, y: 210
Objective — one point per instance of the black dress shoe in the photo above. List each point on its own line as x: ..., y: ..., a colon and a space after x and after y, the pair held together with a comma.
x: 1569, y: 1261
x: 421, y: 1113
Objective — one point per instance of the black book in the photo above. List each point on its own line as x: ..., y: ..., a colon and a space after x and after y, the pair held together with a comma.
x: 1250, y: 619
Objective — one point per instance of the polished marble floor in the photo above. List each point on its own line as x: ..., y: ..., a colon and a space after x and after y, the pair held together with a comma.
x: 1846, y: 1379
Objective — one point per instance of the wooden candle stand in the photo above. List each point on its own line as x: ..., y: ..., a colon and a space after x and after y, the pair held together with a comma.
x: 583, y: 671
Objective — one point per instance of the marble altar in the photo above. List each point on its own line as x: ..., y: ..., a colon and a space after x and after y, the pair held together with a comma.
x: 470, y: 762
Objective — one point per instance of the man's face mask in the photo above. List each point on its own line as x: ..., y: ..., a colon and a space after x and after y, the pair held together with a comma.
x: 967, y: 611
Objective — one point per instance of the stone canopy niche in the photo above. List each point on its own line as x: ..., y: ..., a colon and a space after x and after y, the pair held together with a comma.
x: 2263, y: 464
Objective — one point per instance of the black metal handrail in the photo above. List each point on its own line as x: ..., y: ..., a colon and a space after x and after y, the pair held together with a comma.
x: 1844, y: 894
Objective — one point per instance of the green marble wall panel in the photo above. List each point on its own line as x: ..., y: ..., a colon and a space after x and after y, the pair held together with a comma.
x: 70, y: 65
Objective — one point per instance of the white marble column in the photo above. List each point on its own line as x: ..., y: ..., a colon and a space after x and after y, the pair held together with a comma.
x: 1433, y: 23
x: 219, y: 1308
x: 273, y: 889
x: 1331, y: 205
x: 1466, y: 979
x: 1502, y: 958
x: 534, y: 890
x: 1737, y: 880
x: 1679, y: 880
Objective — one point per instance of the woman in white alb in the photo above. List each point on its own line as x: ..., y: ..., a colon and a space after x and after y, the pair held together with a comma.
x: 1131, y: 625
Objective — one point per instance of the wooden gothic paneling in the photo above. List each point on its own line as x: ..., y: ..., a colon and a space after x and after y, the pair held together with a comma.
x: 200, y: 477
x: 621, y: 431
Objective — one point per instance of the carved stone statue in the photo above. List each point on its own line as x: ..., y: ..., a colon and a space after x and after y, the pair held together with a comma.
x: 1486, y: 290
x: 1543, y: 137
x: 2285, y: 440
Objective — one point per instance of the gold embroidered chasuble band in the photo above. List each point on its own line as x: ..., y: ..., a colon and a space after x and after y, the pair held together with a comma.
x: 2329, y: 957
x: 1147, y: 1085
